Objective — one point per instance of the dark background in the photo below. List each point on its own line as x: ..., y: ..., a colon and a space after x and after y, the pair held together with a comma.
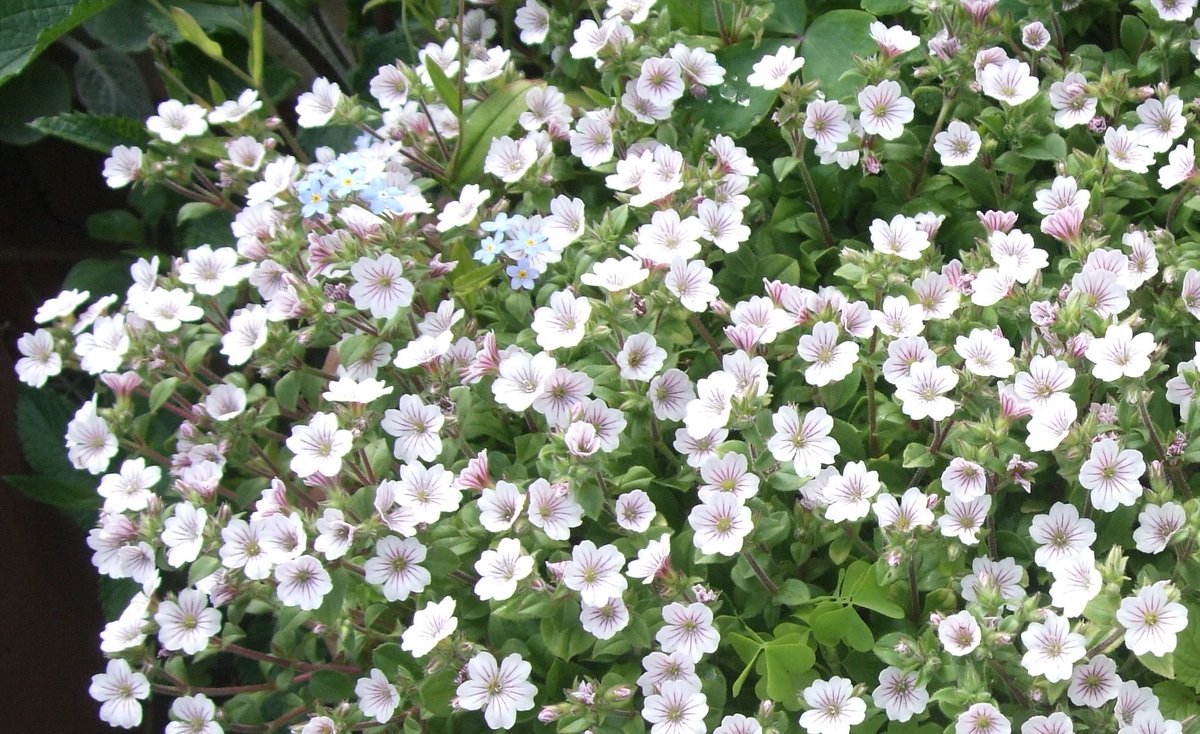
x: 49, y: 608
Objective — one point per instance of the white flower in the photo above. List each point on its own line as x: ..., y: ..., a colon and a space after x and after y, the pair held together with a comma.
x: 958, y: 144
x: 522, y: 379
x: 651, y: 560
x: 1156, y: 525
x: 302, y: 582
x: 335, y: 535
x: 132, y: 488
x: 396, y: 567
x: 964, y: 518
x: 501, y: 690
x: 1132, y: 698
x: 773, y: 70
x: 1051, y: 423
x: 634, y: 510
x: 825, y: 123
x: 922, y: 393
x: 415, y: 427
x: 90, y: 443
x: 1120, y: 353
x: 430, y: 625
x: 553, y: 509
x: 807, y: 444
x: 509, y: 159
x: 985, y: 353
x: 103, y: 350
x: 1047, y: 377
x: 721, y: 522
x: 464, y: 210
x: 688, y: 630
x: 660, y: 81
x: 533, y: 20
x: 1015, y: 254
x: 833, y: 707
x: 242, y: 548
x: 669, y: 395
x: 615, y: 275
x: 183, y: 533
x: 176, y: 121
x: 959, y: 633
x: 595, y: 572
x: 1151, y: 621
x: 982, y: 718
x: 187, y: 624
x: 848, y: 495
x: 728, y: 474
x: 194, y: 715
x: 1071, y: 101
x: 118, y: 690
x: 709, y: 411
x: 1076, y: 582
x: 316, y: 108
x: 562, y: 322
x: 126, y: 631
x: 676, y: 708
x: 899, y: 695
x: 592, y: 140
x: 911, y: 512
x: 699, y: 67
x: 1125, y: 150
x: 247, y: 332
x: 965, y: 480
x: 1181, y: 165
x: 884, y: 110
x: 491, y: 66
x: 830, y: 361
x: 500, y: 569
x: 668, y: 236
x: 1162, y: 122
x: 40, y: 360
x: 378, y: 286
x: 1111, y: 475
x: 605, y: 620
x: 1094, y: 683
x: 1174, y: 9
x: 377, y: 698
x: 1009, y: 82
x: 900, y: 237
x: 1051, y: 648
x: 318, y: 448
x: 123, y: 167
x: 640, y: 358
x: 1055, y: 723
x: 1002, y: 577
x: 426, y: 491
x: 564, y: 397
x: 663, y: 668
x: 211, y: 271
x: 1061, y: 535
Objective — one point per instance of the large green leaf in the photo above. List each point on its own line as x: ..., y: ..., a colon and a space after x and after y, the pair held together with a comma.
x: 43, y: 89
x: 28, y: 27
x: 490, y: 119
x: 735, y: 107
x: 109, y: 83
x: 100, y: 133
x: 830, y: 45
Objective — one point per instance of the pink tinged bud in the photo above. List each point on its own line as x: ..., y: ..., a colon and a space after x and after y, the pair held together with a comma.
x: 1078, y: 344
x: 979, y: 9
x: 935, y: 619
x: 719, y: 307
x: 775, y: 290
x: 548, y: 714
x: 872, y: 165
x: 1178, y: 445
x: 743, y: 337
x: 1097, y: 124
x: 1104, y: 412
x: 438, y: 269
x: 997, y: 221
x: 895, y: 558
x: 1156, y: 470
x: 1064, y: 225
x: 123, y: 384
x: 1043, y: 313
x: 556, y: 569
x: 620, y: 693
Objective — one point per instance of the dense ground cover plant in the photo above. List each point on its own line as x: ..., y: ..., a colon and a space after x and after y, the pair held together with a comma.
x: 638, y: 365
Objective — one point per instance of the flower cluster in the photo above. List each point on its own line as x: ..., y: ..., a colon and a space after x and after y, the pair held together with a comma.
x: 653, y: 415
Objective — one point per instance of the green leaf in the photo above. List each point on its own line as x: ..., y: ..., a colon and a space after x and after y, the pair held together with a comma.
x: 388, y: 657
x: 735, y: 107
x: 116, y: 225
x: 287, y: 390
x: 66, y: 492
x: 28, y: 28
x: 202, y: 567
x: 490, y: 119
x: 255, y: 59
x: 1164, y: 665
x: 42, y: 418
x: 194, y: 34
x: 331, y: 686
x: 978, y: 182
x: 474, y: 279
x: 885, y: 7
x: 788, y: 659
x: 108, y: 82
x: 444, y: 87
x: 1176, y: 701
x: 917, y: 454
x: 830, y: 45
x: 437, y: 691
x: 1187, y: 651
x: 95, y: 132
x: 42, y: 89
x: 1050, y: 147
x: 162, y: 392
x: 864, y: 590
x: 1133, y: 33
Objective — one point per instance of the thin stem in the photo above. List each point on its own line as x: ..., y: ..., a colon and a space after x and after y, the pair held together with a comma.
x: 284, y: 662
x: 914, y: 596
x: 947, y: 103
x: 436, y: 133
x: 1175, y: 203
x: 721, y: 29
x: 706, y: 335
x: 1104, y: 644
x: 826, y: 233
x: 858, y: 542
x: 761, y: 573
x: 1176, y: 478
x: 872, y: 408
x: 1018, y: 697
